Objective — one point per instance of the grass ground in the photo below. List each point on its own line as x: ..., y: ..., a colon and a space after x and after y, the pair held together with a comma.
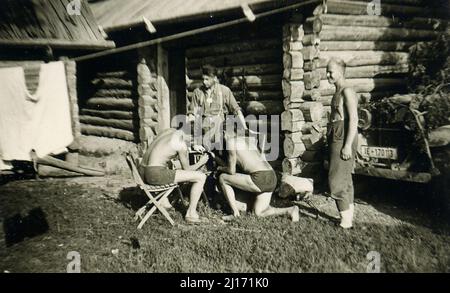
x: 94, y: 216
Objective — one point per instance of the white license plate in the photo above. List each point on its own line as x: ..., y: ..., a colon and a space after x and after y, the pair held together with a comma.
x: 379, y: 152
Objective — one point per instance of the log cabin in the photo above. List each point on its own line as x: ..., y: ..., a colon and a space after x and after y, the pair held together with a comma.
x: 33, y: 32
x: 274, y: 65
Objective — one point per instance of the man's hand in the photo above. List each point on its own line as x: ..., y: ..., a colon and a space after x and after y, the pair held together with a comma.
x: 346, y: 153
x: 203, y: 160
x: 199, y: 148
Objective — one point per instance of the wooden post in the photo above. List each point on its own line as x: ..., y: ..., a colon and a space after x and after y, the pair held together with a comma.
x: 162, y: 89
x: 147, y: 102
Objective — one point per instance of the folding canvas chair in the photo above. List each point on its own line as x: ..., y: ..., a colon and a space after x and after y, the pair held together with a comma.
x: 155, y: 193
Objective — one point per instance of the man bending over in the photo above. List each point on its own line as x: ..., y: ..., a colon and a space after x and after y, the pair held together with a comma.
x: 168, y: 145
x: 258, y: 177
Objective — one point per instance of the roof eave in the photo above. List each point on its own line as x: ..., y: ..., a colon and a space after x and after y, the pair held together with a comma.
x: 59, y: 44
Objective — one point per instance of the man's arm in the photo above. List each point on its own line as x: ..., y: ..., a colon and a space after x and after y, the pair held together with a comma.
x: 184, y: 160
x: 193, y: 105
x: 351, y: 105
x: 231, y: 168
x: 233, y: 106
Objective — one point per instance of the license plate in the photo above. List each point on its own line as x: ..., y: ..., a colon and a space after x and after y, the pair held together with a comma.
x: 379, y: 152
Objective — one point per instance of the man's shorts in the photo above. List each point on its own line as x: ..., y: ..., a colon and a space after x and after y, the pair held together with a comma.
x: 158, y: 175
x: 266, y: 180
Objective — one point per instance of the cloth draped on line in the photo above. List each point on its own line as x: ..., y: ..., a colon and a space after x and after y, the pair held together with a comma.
x: 37, y: 121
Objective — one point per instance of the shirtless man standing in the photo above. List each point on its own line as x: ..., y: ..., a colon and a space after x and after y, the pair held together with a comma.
x: 342, y: 142
x: 258, y: 178
x: 168, y: 145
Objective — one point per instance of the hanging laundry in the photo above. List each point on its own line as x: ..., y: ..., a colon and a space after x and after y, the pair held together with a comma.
x: 37, y: 121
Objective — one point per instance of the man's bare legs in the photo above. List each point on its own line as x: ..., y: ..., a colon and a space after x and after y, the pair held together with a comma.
x: 264, y: 209
x: 262, y: 206
x: 241, y: 181
x: 198, y: 180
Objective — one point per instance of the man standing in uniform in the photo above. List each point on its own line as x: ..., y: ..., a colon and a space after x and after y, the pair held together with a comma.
x: 210, y: 104
x: 342, y: 141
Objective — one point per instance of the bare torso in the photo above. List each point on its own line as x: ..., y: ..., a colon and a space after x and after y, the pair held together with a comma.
x: 248, y: 157
x: 162, y: 149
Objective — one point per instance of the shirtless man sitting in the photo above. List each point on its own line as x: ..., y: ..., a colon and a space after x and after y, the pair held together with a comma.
x: 168, y: 145
x: 258, y: 178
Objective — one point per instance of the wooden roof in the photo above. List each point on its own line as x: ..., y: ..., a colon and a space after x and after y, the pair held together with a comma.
x: 120, y: 14
x: 36, y: 23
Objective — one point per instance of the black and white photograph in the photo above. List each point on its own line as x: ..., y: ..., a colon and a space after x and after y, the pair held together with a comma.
x: 234, y: 137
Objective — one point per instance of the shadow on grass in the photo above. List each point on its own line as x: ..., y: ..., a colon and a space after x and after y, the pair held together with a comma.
x: 17, y: 228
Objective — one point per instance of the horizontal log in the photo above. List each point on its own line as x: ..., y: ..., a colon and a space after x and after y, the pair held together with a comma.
x: 110, y: 114
x: 111, y: 103
x: 293, y: 149
x: 235, y: 47
x: 364, y: 85
x: 264, y: 107
x: 325, y: 100
x: 363, y: 58
x: 311, y: 65
x: 288, y: 104
x: 370, y: 71
x: 293, y: 59
x: 243, y: 58
x: 292, y: 185
x: 108, y: 132
x: 310, y: 52
x: 115, y: 93
x: 360, y: 8
x: 292, y: 46
x: 345, y: 33
x: 123, y: 74
x: 381, y: 21
x: 295, y: 136
x: 312, y: 111
x: 293, y: 89
x: 292, y: 126
x: 112, y: 83
x: 292, y: 166
x: 259, y: 95
x: 312, y: 79
x: 254, y: 81
x: 293, y: 74
x: 365, y: 46
x: 113, y: 123
x: 263, y: 125
x: 292, y: 115
x: 257, y: 69
x: 311, y: 95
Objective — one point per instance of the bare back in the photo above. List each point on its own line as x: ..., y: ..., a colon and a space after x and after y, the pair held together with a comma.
x: 162, y: 149
x: 248, y: 157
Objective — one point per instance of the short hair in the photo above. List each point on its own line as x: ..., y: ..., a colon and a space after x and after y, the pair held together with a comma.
x: 339, y: 62
x: 209, y: 70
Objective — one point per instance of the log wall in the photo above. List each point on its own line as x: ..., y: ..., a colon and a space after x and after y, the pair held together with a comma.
x: 109, y: 100
x: 375, y: 50
x: 251, y: 66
